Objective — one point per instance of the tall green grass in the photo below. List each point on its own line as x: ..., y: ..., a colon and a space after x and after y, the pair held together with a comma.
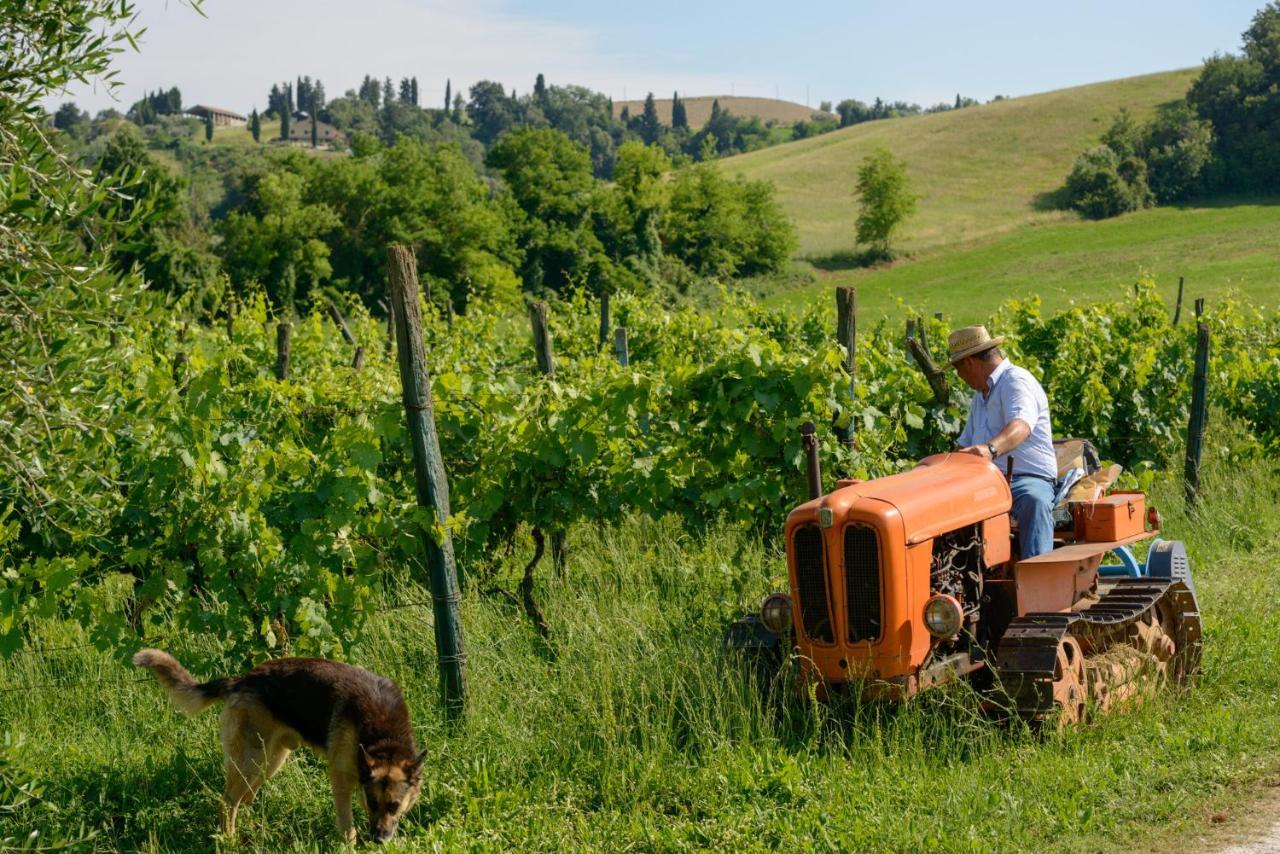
x: 631, y: 731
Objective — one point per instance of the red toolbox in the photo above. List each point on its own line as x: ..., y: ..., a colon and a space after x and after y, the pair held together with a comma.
x: 1112, y: 517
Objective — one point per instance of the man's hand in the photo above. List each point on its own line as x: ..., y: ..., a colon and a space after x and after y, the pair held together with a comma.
x: 977, y: 450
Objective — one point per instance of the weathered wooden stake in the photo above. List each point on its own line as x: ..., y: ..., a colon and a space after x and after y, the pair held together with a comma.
x: 1177, y: 309
x: 342, y: 324
x: 1199, y: 413
x: 936, y: 376
x: 231, y: 319
x: 430, y: 478
x: 284, y: 329
x: 1200, y: 307
x: 620, y: 346
x: 604, y: 320
x: 538, y: 317
x: 180, y: 362
x: 358, y: 361
x: 847, y: 335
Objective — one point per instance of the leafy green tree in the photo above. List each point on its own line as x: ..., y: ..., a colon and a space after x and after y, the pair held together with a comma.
x: 71, y: 119
x: 638, y: 202
x: 1238, y: 95
x: 1178, y: 149
x: 885, y: 200
x: 170, y: 251
x: 278, y: 241
x: 549, y: 178
x: 491, y: 111
x: 255, y: 125
x: 722, y: 227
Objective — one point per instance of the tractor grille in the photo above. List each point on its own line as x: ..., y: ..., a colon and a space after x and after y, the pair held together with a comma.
x: 862, y: 583
x: 815, y: 613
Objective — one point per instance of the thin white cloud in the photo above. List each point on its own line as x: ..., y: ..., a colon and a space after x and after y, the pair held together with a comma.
x: 231, y: 57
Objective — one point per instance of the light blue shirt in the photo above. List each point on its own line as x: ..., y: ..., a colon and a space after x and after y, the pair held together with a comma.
x: 1013, y: 393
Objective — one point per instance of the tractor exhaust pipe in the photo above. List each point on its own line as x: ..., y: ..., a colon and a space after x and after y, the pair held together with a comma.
x: 809, y: 438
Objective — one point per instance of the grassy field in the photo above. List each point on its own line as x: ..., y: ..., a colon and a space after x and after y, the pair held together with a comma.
x: 698, y: 110
x: 634, y: 735
x: 979, y: 171
x: 1226, y: 247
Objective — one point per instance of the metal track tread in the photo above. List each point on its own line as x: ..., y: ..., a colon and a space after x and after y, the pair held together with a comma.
x: 1027, y: 653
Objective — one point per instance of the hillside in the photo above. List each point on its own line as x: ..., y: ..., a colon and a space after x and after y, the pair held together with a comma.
x: 978, y: 171
x: 699, y: 109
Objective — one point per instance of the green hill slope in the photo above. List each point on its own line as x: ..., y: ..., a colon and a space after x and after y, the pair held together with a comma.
x: 978, y: 171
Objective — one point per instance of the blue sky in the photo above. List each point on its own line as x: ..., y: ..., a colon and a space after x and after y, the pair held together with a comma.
x: 913, y: 51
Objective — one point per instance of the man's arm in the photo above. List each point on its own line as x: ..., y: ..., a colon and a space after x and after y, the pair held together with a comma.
x: 1013, y: 435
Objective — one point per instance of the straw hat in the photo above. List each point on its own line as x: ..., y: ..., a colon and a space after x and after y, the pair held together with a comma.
x: 970, y: 341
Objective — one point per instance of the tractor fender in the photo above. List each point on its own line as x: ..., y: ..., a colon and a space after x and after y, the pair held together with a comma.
x: 1168, y: 559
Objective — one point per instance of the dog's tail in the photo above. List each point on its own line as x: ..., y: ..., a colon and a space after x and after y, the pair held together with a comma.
x: 186, y: 693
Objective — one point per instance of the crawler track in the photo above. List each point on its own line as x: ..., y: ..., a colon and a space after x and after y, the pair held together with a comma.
x: 1134, y: 618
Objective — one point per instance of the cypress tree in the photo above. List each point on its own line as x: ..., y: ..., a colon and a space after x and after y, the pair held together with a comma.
x: 255, y: 125
x: 625, y: 118
x: 958, y: 104
x: 448, y: 94
x: 650, y: 128
x: 414, y: 90
x: 284, y: 125
x: 457, y: 108
x: 315, y: 125
x: 679, y: 118
x: 715, y: 109
x: 208, y: 127
x: 540, y: 88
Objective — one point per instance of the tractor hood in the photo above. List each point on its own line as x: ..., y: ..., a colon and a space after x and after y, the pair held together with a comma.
x: 942, y: 493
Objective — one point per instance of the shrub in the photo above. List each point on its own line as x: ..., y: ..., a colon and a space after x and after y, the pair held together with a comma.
x: 1098, y: 189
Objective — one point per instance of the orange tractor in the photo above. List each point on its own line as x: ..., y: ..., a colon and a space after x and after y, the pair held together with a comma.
x: 908, y: 581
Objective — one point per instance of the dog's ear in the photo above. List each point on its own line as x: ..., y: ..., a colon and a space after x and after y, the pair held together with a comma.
x: 369, y: 761
x: 415, y: 767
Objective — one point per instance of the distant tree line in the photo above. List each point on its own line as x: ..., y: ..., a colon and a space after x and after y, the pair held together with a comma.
x: 1223, y: 137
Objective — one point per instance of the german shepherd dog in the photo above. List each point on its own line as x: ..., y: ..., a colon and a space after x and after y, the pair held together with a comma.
x: 356, y: 719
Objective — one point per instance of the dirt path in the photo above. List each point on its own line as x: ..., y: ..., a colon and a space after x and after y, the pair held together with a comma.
x: 1249, y: 827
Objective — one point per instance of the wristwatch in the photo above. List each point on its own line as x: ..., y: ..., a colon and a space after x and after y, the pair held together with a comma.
x: 992, y: 448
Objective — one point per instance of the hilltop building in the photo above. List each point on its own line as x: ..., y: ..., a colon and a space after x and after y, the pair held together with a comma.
x: 326, y: 134
x: 221, y: 117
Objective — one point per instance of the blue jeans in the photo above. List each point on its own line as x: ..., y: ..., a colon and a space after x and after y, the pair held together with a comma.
x: 1033, y: 511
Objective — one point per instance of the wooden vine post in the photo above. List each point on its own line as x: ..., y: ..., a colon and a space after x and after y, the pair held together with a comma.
x: 1199, y: 411
x: 620, y: 346
x: 847, y: 335
x: 1177, y: 309
x: 429, y: 475
x: 540, y: 320
x: 604, y: 320
x: 936, y: 376
x: 284, y: 330
x: 342, y: 324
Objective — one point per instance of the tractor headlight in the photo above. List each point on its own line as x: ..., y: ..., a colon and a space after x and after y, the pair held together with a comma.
x: 943, y: 616
x: 775, y: 612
